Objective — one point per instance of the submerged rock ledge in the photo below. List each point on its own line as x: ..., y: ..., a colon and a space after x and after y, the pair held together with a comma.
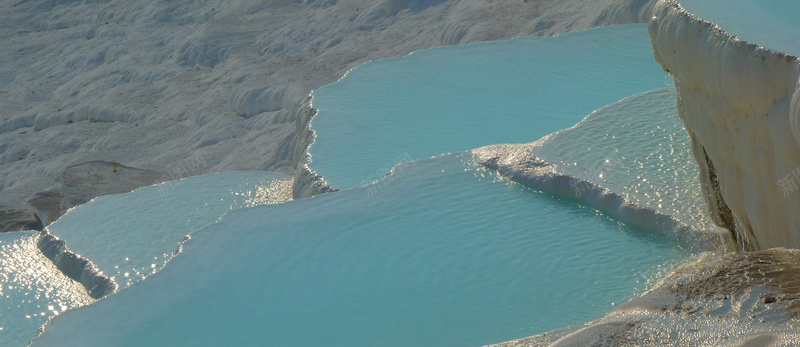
x: 76, y: 267
x: 519, y: 163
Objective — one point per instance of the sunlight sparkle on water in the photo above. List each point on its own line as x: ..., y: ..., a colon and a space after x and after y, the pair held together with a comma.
x: 29, y: 282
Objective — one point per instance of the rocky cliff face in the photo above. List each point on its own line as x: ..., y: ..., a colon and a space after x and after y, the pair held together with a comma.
x: 741, y: 107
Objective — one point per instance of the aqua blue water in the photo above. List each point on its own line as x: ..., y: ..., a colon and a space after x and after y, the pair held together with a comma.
x: 458, y: 98
x: 638, y: 148
x: 772, y: 24
x: 32, y: 290
x: 440, y: 253
x: 128, y: 236
x: 131, y: 236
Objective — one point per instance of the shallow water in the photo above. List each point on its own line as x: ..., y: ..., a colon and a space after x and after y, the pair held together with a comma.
x: 462, y: 97
x: 31, y: 289
x: 772, y: 24
x: 131, y: 236
x: 439, y: 253
x: 638, y: 148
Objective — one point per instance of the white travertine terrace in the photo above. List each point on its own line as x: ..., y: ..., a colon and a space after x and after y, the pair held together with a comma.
x: 739, y: 102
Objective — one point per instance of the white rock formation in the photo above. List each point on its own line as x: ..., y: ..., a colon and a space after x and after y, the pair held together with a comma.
x: 643, y: 175
x: 741, y: 106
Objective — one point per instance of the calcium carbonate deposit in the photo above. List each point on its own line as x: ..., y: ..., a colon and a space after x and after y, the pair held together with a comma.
x: 666, y: 217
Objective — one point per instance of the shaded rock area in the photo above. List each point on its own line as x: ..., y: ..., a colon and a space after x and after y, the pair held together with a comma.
x: 79, y: 184
x: 16, y: 220
x: 49, y: 204
x: 776, y: 269
x: 83, y: 182
x: 740, y: 104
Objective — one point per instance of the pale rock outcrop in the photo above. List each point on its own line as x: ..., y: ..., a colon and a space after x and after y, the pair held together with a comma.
x: 741, y: 107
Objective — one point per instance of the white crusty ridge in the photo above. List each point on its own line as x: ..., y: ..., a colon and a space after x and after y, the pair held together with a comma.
x: 644, y: 175
x: 519, y: 164
x: 739, y: 102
